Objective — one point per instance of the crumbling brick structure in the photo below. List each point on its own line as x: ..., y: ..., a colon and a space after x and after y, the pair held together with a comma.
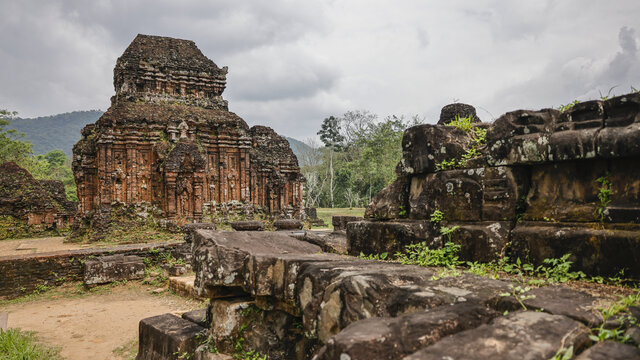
x: 545, y: 183
x: 168, y: 141
x: 29, y: 206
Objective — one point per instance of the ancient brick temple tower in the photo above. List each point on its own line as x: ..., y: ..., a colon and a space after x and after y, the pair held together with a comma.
x: 168, y: 140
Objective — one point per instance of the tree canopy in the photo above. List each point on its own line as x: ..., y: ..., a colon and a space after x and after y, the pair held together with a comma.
x: 54, y: 165
x: 358, y: 159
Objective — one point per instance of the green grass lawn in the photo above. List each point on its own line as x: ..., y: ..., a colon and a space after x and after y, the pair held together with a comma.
x: 326, y: 213
x: 24, y: 345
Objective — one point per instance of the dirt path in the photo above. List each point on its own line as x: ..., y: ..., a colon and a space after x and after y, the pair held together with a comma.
x: 93, y: 326
x: 39, y: 245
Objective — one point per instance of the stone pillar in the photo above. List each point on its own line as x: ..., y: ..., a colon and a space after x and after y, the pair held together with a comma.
x: 170, y: 194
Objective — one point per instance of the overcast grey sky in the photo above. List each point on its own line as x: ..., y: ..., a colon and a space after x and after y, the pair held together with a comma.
x: 293, y: 63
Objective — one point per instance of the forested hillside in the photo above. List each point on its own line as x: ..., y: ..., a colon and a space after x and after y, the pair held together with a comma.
x: 60, y: 131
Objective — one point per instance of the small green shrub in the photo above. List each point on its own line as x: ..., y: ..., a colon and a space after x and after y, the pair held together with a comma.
x: 463, y: 123
x: 437, y: 216
x: 604, y: 195
x: 448, y: 232
x: 479, y: 137
x: 559, y: 270
x: 568, y: 106
x: 382, y: 256
x: 564, y: 354
x: 421, y: 254
x: 520, y: 294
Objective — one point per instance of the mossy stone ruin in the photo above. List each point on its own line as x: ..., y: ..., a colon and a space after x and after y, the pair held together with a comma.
x: 544, y: 184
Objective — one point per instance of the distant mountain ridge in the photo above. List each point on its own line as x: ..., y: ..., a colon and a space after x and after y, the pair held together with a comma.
x: 62, y: 131
x: 297, y: 147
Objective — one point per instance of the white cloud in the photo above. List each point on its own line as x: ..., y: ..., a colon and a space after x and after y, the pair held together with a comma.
x: 291, y: 64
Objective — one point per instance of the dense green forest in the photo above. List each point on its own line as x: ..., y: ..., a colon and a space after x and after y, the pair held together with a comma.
x: 355, y: 159
x: 53, y: 165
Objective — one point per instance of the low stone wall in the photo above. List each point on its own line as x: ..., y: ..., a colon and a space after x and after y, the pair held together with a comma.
x: 24, y: 274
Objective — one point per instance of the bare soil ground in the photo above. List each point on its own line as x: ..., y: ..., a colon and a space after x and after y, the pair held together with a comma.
x: 91, y: 325
x: 39, y: 245
x: 42, y: 245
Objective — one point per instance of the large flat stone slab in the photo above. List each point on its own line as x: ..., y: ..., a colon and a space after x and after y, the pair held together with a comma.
x: 197, y: 316
x: 333, y: 242
x: 558, y: 300
x: 393, y: 338
x: 377, y: 237
x: 166, y: 337
x: 610, y: 350
x: 112, y: 268
x: 519, y: 336
x: 328, y: 291
x: 256, y: 262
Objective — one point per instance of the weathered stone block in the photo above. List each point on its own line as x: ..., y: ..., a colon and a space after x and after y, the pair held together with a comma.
x: 287, y: 224
x: 340, y: 222
x: 487, y: 193
x: 565, y: 191
x: 166, y: 337
x: 391, y: 202
x: 523, y: 335
x: 610, y: 350
x: 335, y: 294
x: 183, y: 286
x: 576, y: 131
x: 113, y: 268
x: 504, y: 189
x: 227, y: 317
x: 450, y: 112
x: 394, y: 338
x: 482, y: 241
x: 457, y: 193
x: 596, y: 250
x: 376, y: 237
x: 188, y: 229
x: 624, y: 175
x: 621, y: 134
x: 260, y: 263
x: 334, y: 242
x: 269, y: 332
x: 520, y: 137
x: 426, y: 146
x: 197, y: 317
x: 558, y: 300
x: 248, y: 225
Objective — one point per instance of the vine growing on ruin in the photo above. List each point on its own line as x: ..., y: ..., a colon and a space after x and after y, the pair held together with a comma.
x: 604, y: 195
x: 478, y: 137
